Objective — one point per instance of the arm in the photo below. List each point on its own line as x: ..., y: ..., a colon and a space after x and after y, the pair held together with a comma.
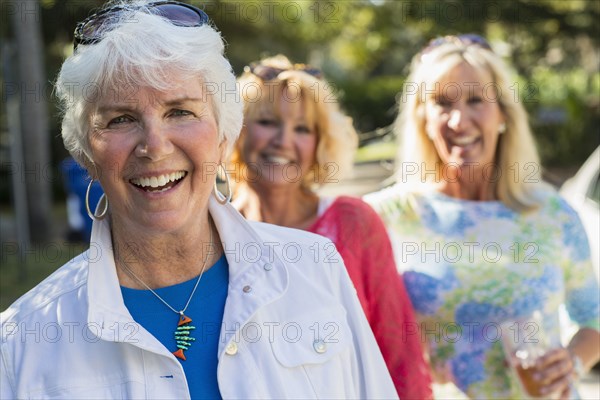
x: 391, y: 314
x: 586, y: 345
x: 373, y: 378
x: 362, y: 240
x: 557, y: 367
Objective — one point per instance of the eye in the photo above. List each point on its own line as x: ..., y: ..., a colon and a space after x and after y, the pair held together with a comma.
x: 475, y: 100
x: 267, y: 122
x: 180, y: 113
x: 305, y: 129
x: 442, y: 102
x: 120, y: 120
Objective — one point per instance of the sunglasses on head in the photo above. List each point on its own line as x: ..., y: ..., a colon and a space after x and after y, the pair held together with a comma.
x: 92, y: 29
x: 468, y: 39
x: 267, y: 73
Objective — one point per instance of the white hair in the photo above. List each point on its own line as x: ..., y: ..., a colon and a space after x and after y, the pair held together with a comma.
x: 145, y: 50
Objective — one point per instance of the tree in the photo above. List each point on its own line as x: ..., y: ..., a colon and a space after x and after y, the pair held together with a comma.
x: 35, y: 172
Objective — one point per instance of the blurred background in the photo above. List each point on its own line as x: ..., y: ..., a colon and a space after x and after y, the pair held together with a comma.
x: 364, y: 48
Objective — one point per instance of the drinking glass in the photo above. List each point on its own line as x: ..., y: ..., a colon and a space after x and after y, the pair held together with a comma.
x: 525, y: 339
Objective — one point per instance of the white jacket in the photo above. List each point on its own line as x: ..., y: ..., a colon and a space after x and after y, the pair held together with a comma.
x: 292, y: 327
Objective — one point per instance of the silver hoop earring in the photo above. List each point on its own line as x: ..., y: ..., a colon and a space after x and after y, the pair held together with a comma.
x: 222, y: 199
x: 93, y: 216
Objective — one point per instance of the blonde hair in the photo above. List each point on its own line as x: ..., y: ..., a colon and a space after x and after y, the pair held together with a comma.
x: 337, y: 138
x: 516, y: 147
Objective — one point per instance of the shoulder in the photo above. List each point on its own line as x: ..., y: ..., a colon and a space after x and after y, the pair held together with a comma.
x: 303, y: 252
x: 560, y: 212
x: 354, y: 211
x: 352, y: 204
x: 561, y: 203
x: 346, y: 206
x: 312, y: 261
x: 282, y: 234
x: 397, y: 200
x: 389, y: 195
x: 553, y: 203
x: 43, y: 297
x: 383, y: 196
x: 295, y: 246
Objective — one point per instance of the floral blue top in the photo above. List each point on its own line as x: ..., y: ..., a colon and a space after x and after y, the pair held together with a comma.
x: 469, y: 265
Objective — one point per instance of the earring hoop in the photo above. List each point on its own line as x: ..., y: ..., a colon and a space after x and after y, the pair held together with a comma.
x: 221, y: 198
x: 93, y: 216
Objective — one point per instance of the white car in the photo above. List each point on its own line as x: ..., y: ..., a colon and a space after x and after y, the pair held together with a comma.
x: 582, y: 192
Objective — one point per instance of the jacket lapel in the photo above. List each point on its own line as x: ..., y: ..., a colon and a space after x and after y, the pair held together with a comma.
x: 257, y: 276
x: 108, y: 317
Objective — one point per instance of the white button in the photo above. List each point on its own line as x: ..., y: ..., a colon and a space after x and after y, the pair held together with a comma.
x: 268, y: 266
x: 247, y: 289
x: 231, y: 349
x: 320, y: 346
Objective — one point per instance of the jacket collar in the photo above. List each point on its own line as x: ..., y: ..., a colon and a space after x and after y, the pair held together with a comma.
x: 257, y: 276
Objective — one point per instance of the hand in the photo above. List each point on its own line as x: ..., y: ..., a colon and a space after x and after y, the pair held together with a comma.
x: 555, y: 371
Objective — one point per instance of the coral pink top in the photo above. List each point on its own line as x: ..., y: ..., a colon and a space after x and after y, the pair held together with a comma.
x: 362, y: 241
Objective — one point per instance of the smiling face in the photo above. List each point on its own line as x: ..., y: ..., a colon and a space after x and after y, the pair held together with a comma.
x: 280, y: 144
x: 463, y: 117
x: 156, y: 154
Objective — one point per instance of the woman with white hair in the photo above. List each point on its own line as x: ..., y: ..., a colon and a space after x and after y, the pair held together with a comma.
x: 479, y: 237
x: 178, y: 296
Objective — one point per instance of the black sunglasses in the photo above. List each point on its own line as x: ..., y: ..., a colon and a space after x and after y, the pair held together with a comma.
x: 92, y: 29
x: 468, y: 39
x: 267, y: 73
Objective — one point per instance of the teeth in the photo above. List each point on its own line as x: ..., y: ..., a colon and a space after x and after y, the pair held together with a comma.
x: 158, y: 181
x: 464, y: 140
x: 277, y: 159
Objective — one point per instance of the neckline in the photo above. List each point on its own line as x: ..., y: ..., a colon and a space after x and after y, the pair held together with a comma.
x: 438, y: 194
x: 215, y: 267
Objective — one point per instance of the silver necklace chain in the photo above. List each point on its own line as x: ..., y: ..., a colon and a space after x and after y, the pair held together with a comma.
x: 130, y: 272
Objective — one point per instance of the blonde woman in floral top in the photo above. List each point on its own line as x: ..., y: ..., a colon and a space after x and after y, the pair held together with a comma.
x: 479, y: 238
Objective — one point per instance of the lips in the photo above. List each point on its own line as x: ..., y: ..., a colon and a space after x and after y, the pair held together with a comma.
x: 158, y: 183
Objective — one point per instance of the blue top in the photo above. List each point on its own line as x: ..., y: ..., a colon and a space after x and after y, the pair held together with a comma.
x: 206, y: 311
x: 75, y: 182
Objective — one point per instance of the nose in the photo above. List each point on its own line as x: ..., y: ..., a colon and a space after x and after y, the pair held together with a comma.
x: 458, y: 118
x: 155, y: 142
x: 284, y: 136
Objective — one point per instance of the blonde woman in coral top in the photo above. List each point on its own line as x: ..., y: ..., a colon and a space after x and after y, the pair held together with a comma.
x: 295, y: 139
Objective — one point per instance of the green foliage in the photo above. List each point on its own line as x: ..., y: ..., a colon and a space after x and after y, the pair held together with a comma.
x: 39, y: 261
x: 565, y: 114
x: 364, y: 47
x: 371, y: 102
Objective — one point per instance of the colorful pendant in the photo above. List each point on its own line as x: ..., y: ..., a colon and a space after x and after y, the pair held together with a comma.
x: 182, y: 336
